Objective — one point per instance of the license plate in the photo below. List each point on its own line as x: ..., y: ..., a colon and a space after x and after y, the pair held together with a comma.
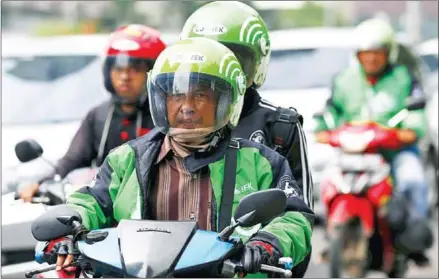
x: 360, y: 162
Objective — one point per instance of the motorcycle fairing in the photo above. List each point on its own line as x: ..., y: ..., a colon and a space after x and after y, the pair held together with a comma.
x: 203, y: 252
x: 153, y: 248
x: 105, y: 252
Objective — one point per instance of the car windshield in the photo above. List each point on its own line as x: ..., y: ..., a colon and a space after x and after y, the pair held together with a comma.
x: 50, y: 89
x: 305, y: 68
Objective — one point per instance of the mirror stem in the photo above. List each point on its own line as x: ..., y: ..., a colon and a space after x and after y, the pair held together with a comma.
x: 228, y: 231
x: 48, y: 162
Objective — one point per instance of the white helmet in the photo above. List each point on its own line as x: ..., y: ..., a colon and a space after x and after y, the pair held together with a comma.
x: 377, y: 33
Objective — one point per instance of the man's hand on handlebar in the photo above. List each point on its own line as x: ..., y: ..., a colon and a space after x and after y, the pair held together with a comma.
x: 257, y: 253
x: 63, y: 250
x: 28, y: 192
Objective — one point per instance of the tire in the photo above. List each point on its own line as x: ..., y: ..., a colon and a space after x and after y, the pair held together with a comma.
x: 431, y: 174
x: 347, y: 233
x: 336, y: 252
x: 400, y: 267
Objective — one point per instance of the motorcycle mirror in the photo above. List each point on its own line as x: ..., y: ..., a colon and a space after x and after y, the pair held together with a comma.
x: 260, y: 207
x: 415, y: 103
x: 55, y: 223
x: 319, y: 114
x: 28, y: 150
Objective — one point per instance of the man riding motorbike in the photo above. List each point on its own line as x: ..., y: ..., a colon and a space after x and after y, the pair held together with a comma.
x: 131, y: 53
x: 376, y: 90
x: 240, y: 28
x: 182, y: 168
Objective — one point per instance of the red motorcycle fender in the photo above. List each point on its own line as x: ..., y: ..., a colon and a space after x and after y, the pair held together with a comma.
x: 346, y: 207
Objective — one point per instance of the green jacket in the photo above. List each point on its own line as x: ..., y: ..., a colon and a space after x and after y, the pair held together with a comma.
x: 120, y: 190
x: 354, y: 99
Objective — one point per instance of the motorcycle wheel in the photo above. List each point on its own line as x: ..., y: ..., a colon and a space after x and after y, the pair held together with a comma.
x: 400, y: 267
x: 348, y: 251
x: 431, y: 173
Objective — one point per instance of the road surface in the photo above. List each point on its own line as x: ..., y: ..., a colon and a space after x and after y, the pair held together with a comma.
x: 316, y: 270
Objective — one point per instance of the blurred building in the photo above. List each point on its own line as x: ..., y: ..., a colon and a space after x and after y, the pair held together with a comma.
x: 396, y: 11
x: 23, y: 16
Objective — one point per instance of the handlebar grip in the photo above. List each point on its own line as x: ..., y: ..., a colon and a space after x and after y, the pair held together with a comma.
x: 41, y: 200
x: 284, y: 272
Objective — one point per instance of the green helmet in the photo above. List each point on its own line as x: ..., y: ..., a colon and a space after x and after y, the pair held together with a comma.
x: 240, y: 28
x: 376, y: 33
x: 194, y: 65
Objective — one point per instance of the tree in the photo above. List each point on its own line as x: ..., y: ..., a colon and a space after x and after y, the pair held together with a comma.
x: 310, y: 14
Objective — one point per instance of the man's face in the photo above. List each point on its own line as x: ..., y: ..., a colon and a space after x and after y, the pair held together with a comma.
x: 129, y: 80
x: 373, y: 61
x: 192, y: 110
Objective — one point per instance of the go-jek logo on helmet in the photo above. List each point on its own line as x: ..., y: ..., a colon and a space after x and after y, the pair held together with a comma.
x: 251, y: 30
x: 229, y: 67
x: 209, y: 29
x: 187, y: 57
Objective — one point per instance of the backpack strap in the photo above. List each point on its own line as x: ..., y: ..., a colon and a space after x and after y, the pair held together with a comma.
x: 228, y: 191
x: 282, y: 128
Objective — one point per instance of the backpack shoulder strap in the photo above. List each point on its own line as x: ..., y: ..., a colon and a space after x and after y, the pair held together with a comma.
x: 228, y: 191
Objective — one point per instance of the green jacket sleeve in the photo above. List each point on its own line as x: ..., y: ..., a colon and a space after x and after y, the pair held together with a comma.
x: 416, y: 120
x: 291, y: 232
x: 95, y: 202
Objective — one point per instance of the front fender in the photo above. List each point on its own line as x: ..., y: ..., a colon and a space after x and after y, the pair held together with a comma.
x: 346, y: 207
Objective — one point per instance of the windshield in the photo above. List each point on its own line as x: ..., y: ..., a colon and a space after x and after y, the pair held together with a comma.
x: 305, y: 68
x: 48, y: 89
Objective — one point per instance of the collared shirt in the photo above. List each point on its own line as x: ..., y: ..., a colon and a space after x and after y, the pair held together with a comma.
x: 178, y: 194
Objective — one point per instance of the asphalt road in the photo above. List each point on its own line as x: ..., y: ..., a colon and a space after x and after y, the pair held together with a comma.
x: 316, y: 270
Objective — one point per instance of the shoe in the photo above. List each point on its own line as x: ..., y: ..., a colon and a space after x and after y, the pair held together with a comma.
x: 420, y: 259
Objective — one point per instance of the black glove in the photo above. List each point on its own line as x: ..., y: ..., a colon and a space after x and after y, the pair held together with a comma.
x: 64, y: 246
x: 256, y: 253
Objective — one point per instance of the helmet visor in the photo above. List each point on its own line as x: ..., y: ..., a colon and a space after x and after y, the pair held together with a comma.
x: 189, y: 100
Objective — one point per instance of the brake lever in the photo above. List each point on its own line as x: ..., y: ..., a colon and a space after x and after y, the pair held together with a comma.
x: 284, y: 272
x: 31, y: 273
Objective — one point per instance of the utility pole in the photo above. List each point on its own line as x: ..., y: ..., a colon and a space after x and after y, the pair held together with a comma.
x: 413, y: 21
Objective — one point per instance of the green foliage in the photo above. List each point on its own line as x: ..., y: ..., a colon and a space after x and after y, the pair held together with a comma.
x: 310, y: 14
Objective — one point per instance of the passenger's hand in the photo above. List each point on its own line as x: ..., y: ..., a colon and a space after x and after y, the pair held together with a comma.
x: 62, y: 252
x: 29, y: 192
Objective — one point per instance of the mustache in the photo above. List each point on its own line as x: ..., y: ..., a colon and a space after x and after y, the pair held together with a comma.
x: 180, y: 120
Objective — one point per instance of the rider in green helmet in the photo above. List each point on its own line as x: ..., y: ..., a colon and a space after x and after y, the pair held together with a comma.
x: 178, y: 171
x: 375, y: 90
x: 240, y: 28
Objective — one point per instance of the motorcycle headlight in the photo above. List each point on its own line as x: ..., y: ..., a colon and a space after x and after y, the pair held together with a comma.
x: 355, y: 142
x: 9, y: 180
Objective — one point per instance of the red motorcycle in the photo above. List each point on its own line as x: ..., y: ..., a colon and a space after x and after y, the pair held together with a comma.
x: 355, y: 188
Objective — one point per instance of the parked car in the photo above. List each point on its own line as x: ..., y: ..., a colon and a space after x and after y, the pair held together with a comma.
x: 303, y: 63
x: 428, y: 52
x: 48, y: 86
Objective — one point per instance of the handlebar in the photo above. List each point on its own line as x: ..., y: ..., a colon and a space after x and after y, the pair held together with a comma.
x: 380, y: 137
x: 31, y: 273
x: 36, y: 199
x: 231, y: 268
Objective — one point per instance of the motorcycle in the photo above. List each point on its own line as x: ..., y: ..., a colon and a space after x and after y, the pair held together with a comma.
x: 186, y: 251
x: 18, y: 244
x: 355, y: 189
